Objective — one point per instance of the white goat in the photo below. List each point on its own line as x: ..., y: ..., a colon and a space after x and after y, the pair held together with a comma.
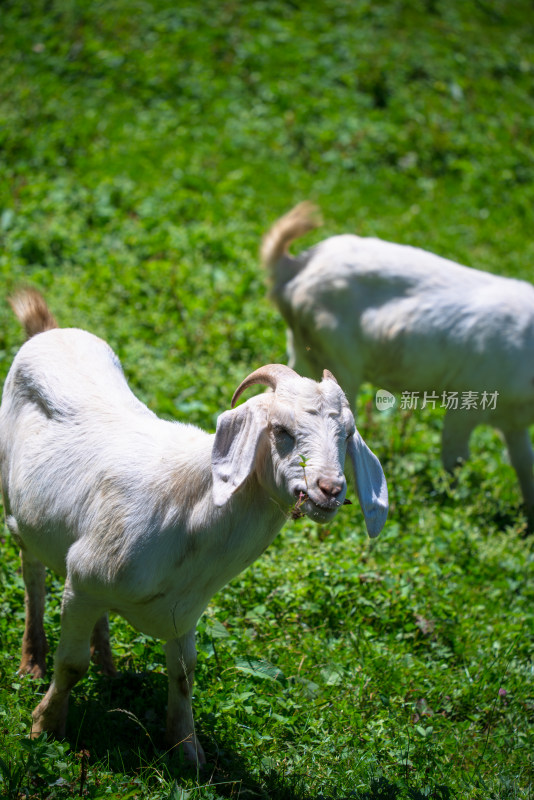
x: 149, y: 518
x: 407, y: 320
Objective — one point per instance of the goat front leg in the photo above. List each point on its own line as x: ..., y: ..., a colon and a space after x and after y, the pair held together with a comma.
x: 181, y: 660
x: 78, y: 617
x: 457, y: 428
x: 522, y: 458
x: 34, y: 644
x: 101, y: 649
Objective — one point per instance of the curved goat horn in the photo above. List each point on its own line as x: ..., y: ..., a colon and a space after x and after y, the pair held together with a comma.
x: 328, y: 374
x: 269, y: 375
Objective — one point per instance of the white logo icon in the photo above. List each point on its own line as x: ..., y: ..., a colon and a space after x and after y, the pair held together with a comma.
x: 384, y: 400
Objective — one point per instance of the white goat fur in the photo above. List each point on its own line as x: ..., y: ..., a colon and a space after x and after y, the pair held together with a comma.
x: 149, y: 518
x: 407, y: 320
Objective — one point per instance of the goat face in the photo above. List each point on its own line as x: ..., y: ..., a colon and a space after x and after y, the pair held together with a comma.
x: 295, y: 440
x: 309, y: 425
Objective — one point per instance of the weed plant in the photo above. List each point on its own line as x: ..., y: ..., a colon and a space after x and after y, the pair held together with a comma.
x: 145, y: 147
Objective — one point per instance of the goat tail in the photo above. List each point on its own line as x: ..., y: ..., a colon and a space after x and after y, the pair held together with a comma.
x: 301, y: 219
x: 30, y: 308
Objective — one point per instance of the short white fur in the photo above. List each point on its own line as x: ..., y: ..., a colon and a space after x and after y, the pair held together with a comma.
x: 149, y: 518
x: 407, y: 320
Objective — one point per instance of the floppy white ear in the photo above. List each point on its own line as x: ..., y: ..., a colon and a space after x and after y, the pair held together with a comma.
x: 234, y: 450
x: 370, y: 484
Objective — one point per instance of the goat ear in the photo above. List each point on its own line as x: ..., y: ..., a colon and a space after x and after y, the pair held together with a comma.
x: 234, y: 450
x: 370, y: 484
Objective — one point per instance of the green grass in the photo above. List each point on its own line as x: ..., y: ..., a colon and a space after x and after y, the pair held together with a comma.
x: 145, y: 147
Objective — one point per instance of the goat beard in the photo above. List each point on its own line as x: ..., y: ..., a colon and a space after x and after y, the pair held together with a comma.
x: 298, y: 513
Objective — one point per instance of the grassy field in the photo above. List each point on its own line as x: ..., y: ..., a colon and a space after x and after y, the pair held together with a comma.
x: 145, y: 146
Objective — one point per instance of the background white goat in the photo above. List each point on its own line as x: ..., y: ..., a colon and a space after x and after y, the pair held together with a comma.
x: 407, y: 320
x: 150, y: 518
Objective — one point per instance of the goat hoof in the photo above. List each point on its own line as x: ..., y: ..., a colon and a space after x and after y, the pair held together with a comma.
x: 191, y: 751
x: 34, y: 669
x: 194, y: 754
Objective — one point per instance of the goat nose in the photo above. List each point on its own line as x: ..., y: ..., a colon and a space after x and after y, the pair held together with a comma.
x: 330, y: 487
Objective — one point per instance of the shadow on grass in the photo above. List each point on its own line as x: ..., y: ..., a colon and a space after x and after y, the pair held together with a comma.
x: 120, y: 722
x: 276, y: 786
x: 490, y: 509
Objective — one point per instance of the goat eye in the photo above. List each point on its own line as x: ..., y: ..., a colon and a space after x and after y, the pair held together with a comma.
x: 283, y: 434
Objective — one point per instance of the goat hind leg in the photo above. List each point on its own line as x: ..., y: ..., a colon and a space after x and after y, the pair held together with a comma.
x: 34, y: 644
x: 101, y: 648
x: 522, y: 458
x: 78, y: 618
